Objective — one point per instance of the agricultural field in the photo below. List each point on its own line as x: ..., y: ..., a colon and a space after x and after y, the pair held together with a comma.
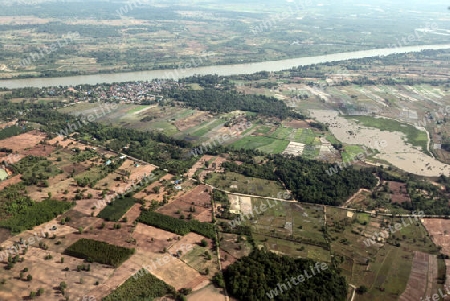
x: 234, y: 182
x: 194, y: 204
x: 384, y: 266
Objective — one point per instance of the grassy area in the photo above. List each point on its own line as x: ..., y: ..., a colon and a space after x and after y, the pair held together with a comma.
x: 351, y: 151
x: 265, y: 144
x: 413, y: 135
x: 204, y: 128
x: 387, y: 267
x: 247, y: 185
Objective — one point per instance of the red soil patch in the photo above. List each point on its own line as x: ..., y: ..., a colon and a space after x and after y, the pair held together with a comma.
x: 40, y: 150
x: 423, y: 275
x: 399, y: 193
x: 199, y: 198
x: 23, y: 141
x: 77, y: 168
x: 214, y: 166
x: 230, y: 259
x: 439, y: 232
x: 297, y: 124
x: 10, y: 181
x: 195, y: 119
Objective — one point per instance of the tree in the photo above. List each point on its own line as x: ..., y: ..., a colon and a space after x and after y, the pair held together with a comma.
x: 362, y: 289
x: 203, y: 243
x: 29, y: 278
x: 40, y: 291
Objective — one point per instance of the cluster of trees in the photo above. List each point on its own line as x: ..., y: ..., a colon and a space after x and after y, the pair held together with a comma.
x: 98, y: 251
x: 307, y: 179
x: 26, y: 214
x: 116, y: 209
x: 150, y: 146
x: 220, y: 196
x: 218, y: 101
x: 34, y: 170
x: 252, y: 277
x: 12, y: 131
x: 145, y: 287
x: 176, y: 225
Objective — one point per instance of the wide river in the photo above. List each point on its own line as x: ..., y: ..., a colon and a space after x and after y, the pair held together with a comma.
x: 222, y: 70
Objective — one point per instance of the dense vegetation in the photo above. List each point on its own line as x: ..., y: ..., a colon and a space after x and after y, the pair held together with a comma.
x: 252, y: 277
x: 143, y: 288
x: 154, y: 147
x: 218, y: 101
x: 176, y: 225
x: 21, y: 213
x: 98, y: 251
x: 116, y: 209
x: 35, y: 170
x: 12, y: 131
x: 307, y: 179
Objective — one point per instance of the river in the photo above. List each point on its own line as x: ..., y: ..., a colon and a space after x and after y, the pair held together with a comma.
x: 223, y: 70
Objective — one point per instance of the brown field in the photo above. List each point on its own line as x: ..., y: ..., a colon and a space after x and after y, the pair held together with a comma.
x: 10, y: 181
x: 40, y: 150
x: 198, y: 198
x: 297, y: 124
x: 423, y: 276
x: 7, y: 124
x: 399, y: 193
x: 229, y: 259
x: 57, y: 186
x: 77, y: 168
x: 215, y: 166
x: 150, y: 195
x: 195, y: 119
x: 92, y: 230
x: 447, y: 277
x: 136, y: 173
x: 358, y: 197
x: 66, y: 142
x: 23, y: 20
x: 23, y: 141
x: 85, y: 206
x: 48, y: 274
x: 144, y: 234
x: 229, y: 245
x: 176, y: 272
x: 208, y: 293
x: 438, y: 230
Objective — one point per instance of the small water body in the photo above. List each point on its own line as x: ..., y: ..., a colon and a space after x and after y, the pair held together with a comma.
x: 221, y: 70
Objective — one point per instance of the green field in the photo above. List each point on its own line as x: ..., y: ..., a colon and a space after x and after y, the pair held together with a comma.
x: 389, y: 266
x: 265, y: 144
x: 351, y: 151
x: 246, y: 185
